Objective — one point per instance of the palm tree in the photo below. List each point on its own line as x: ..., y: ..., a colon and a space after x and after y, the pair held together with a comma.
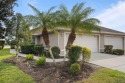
x: 45, y: 20
x: 78, y: 21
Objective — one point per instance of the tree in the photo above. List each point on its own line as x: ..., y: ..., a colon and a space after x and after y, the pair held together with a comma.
x: 2, y: 31
x: 20, y: 30
x: 78, y: 21
x: 45, y: 20
x: 16, y: 31
x: 6, y: 12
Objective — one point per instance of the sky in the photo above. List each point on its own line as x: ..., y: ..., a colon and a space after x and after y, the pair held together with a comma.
x: 111, y: 13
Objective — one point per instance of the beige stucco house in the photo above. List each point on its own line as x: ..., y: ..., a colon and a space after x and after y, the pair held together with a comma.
x: 95, y: 41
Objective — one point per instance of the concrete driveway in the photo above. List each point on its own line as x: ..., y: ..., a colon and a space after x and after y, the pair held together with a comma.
x: 110, y: 61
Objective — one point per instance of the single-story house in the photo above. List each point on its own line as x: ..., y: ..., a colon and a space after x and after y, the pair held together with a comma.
x: 95, y: 41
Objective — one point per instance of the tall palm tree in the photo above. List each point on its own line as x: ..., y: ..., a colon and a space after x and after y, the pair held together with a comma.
x: 45, y: 20
x: 78, y: 21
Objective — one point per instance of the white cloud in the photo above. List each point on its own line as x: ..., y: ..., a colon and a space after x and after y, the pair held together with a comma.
x: 114, y: 17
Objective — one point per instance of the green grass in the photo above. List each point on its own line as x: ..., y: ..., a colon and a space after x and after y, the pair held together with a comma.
x: 5, y: 53
x: 106, y: 76
x: 10, y: 73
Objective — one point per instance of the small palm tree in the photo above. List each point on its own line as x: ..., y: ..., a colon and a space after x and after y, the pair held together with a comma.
x: 45, y: 21
x: 78, y: 21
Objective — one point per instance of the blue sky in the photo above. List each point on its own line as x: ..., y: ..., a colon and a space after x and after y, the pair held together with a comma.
x: 111, y: 13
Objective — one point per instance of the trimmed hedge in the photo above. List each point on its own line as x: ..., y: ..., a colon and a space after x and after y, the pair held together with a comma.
x: 46, y: 53
x: 118, y: 51
x: 2, y: 42
x: 32, y: 49
x: 39, y: 49
x: 27, y: 49
x: 12, y: 44
x: 108, y: 49
x: 55, y: 51
x: 75, y: 68
x: 74, y: 53
x: 86, y: 54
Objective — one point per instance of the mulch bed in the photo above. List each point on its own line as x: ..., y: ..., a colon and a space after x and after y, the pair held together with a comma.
x: 48, y: 73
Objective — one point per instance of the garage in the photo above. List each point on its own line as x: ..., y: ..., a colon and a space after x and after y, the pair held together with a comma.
x: 90, y: 41
x: 117, y: 42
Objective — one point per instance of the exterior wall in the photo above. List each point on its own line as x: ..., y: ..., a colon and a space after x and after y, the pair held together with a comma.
x: 53, y: 39
x: 37, y: 39
x: 41, y: 41
x: 61, y: 42
x: 124, y: 43
x: 102, y: 39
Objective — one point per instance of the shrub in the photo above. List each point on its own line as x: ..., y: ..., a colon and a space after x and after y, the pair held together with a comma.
x: 41, y: 60
x: 75, y: 68
x: 32, y: 49
x: 27, y: 49
x: 108, y: 49
x: 39, y: 49
x: 118, y: 51
x: 2, y: 42
x: 46, y: 53
x: 55, y: 51
x: 1, y: 48
x: 74, y: 53
x: 86, y: 54
x: 12, y: 44
x: 29, y: 57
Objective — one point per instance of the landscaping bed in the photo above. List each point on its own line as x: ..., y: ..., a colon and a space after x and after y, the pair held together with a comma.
x: 48, y: 73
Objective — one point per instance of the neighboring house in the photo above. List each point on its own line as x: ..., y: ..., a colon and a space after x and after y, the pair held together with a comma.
x: 95, y: 41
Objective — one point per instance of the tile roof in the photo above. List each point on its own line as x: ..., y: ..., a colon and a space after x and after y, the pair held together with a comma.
x: 103, y: 30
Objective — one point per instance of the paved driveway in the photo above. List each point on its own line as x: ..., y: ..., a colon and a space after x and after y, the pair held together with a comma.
x: 110, y: 61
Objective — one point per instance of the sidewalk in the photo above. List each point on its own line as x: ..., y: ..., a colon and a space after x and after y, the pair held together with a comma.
x: 36, y: 57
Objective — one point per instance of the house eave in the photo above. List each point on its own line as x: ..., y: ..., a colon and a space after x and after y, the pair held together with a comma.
x: 97, y: 32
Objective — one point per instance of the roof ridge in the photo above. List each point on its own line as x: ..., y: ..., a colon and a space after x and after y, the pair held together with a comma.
x: 113, y: 30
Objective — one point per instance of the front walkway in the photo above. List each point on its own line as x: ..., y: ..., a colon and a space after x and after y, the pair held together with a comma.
x: 35, y: 57
x: 110, y: 61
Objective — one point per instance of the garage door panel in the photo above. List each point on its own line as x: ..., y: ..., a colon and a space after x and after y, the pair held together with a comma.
x: 117, y: 42
x: 89, y: 41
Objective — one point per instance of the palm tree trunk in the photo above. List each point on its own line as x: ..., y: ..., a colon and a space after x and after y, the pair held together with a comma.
x: 70, y: 41
x: 47, y: 42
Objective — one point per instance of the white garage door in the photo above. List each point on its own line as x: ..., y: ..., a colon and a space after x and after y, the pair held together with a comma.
x: 117, y: 42
x: 89, y: 41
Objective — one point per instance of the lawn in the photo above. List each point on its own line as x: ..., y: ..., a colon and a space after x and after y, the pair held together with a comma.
x: 5, y: 53
x: 10, y: 73
x: 106, y: 76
